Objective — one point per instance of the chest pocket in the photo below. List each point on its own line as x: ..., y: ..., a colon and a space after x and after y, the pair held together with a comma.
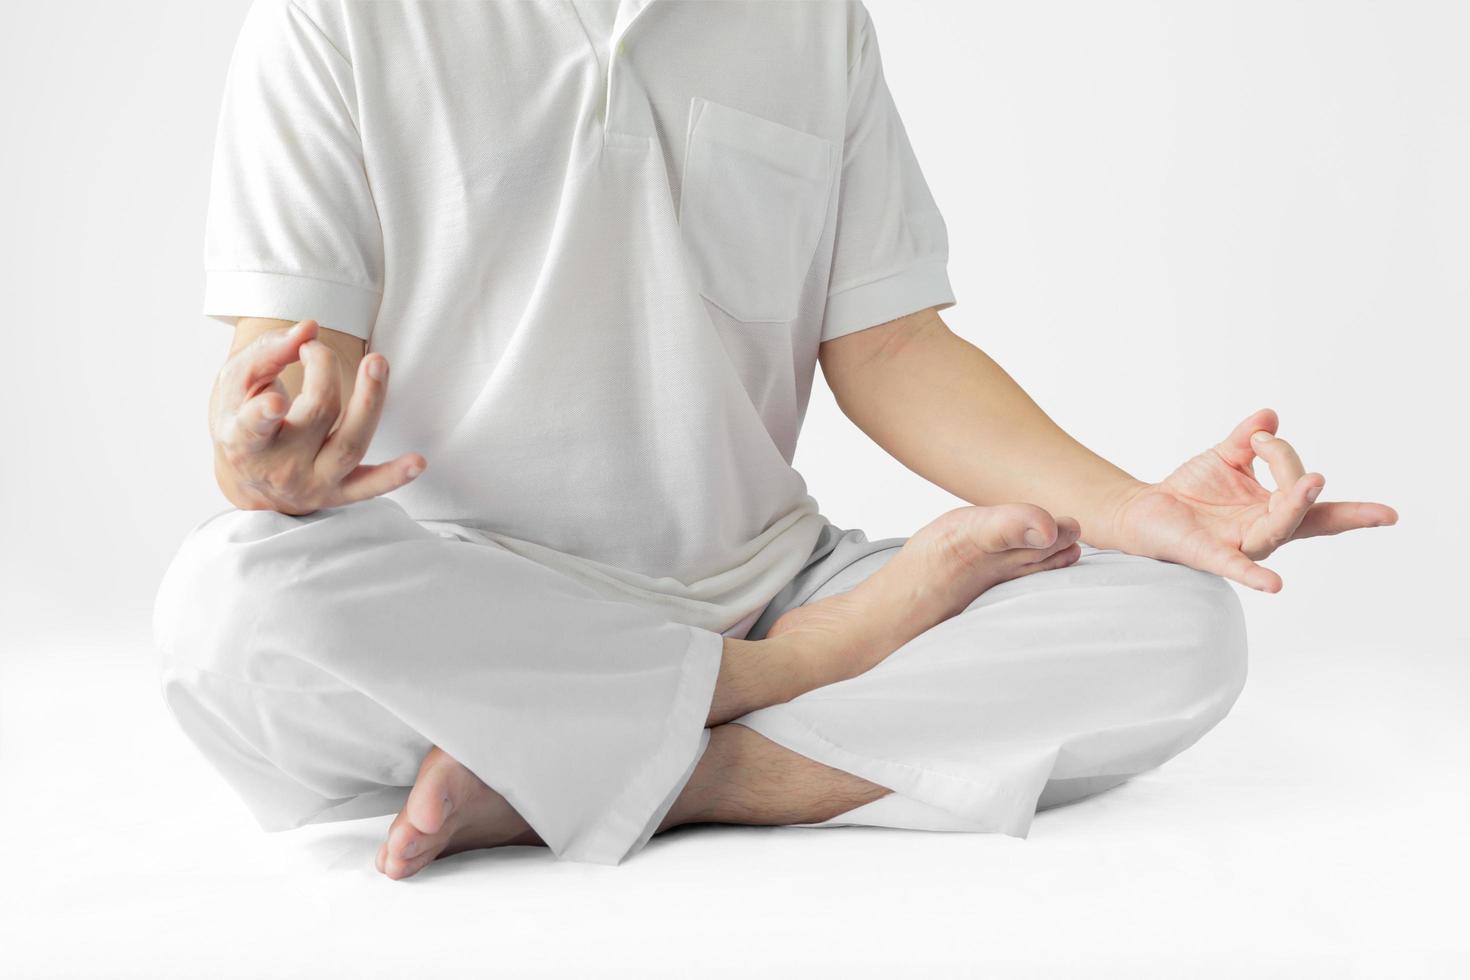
x: 752, y: 207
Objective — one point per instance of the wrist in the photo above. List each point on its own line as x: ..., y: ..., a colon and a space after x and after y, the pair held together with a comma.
x: 1105, y: 530
x: 245, y: 494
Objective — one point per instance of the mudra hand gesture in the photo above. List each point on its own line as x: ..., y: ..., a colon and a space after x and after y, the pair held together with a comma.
x: 298, y: 455
x: 1213, y: 514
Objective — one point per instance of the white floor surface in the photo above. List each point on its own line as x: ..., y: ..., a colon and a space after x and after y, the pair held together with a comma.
x: 1320, y: 830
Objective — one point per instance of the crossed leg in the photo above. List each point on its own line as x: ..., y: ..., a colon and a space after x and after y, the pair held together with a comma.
x: 325, y: 664
x: 1042, y: 692
x: 742, y: 778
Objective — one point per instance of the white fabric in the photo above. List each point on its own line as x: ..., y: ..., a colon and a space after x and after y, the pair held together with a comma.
x: 1045, y: 690
x: 599, y: 257
x: 315, y: 659
x: 600, y: 18
x: 600, y: 260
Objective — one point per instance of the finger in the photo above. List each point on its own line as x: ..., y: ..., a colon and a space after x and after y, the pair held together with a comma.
x: 1234, y: 565
x: 380, y: 478
x: 312, y: 413
x: 1236, y: 447
x: 257, y: 421
x: 341, y: 453
x: 1345, y: 515
x: 1286, y: 466
x: 262, y: 360
x: 1285, y: 512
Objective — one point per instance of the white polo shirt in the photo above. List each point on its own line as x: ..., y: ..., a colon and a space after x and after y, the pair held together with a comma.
x: 600, y: 264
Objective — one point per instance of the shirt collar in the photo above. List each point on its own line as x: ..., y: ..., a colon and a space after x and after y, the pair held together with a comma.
x: 628, y: 12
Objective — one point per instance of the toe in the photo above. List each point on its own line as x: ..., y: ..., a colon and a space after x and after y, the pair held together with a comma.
x: 407, y: 851
x: 1011, y: 526
x: 1066, y: 534
x: 418, y: 864
x: 1067, y: 555
x: 439, y: 788
x: 424, y: 827
x: 405, y: 841
x: 1068, y: 531
x: 1057, y: 559
x: 398, y: 868
x: 391, y: 861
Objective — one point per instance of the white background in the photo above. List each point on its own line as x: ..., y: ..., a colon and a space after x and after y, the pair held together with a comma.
x: 1162, y: 217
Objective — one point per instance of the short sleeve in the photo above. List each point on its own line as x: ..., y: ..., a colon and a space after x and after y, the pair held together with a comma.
x: 891, y: 249
x: 292, y: 231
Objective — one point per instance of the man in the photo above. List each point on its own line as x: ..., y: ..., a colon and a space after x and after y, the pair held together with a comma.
x: 587, y: 598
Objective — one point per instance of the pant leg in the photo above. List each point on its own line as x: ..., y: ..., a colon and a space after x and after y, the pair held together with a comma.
x: 1046, y: 689
x: 315, y: 659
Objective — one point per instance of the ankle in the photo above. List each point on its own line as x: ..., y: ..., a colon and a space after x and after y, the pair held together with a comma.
x: 693, y: 802
x: 745, y: 778
x: 794, y: 665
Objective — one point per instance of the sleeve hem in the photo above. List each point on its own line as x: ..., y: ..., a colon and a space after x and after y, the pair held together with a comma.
x: 232, y: 293
x: 917, y: 287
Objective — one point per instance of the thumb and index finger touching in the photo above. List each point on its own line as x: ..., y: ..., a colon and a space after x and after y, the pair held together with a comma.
x: 251, y: 402
x: 1255, y: 437
x: 1293, y: 511
x: 260, y: 409
x: 261, y: 361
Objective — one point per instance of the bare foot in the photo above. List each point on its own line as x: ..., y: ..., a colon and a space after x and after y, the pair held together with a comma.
x: 448, y: 810
x: 939, y: 571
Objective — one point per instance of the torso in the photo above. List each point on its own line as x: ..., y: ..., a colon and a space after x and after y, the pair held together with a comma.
x: 595, y: 381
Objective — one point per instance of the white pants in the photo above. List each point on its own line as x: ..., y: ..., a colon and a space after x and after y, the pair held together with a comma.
x: 314, y: 660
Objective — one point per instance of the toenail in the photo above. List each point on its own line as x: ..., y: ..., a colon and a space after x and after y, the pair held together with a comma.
x: 410, y: 849
x: 1035, y: 538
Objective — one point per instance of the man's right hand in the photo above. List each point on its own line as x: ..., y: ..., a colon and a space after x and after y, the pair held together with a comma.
x: 276, y: 452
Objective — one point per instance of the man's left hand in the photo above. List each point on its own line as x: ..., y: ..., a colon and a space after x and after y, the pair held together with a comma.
x: 1213, y: 514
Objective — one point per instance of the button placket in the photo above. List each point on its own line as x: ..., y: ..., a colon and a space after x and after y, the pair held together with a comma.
x: 629, y: 11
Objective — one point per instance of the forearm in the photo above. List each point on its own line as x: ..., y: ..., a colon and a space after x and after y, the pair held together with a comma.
x: 947, y: 411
